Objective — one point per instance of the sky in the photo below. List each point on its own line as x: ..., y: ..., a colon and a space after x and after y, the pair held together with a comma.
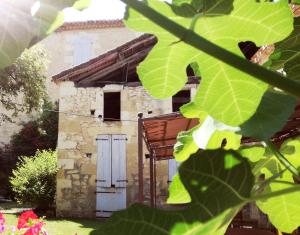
x: 98, y: 10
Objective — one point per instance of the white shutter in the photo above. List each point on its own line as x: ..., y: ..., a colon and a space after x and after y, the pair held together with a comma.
x: 119, y: 161
x: 103, y: 161
x: 173, y: 168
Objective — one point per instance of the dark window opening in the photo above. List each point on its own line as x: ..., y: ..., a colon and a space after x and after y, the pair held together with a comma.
x: 181, y: 98
x: 190, y: 71
x: 132, y: 76
x: 248, y: 48
x: 112, y: 106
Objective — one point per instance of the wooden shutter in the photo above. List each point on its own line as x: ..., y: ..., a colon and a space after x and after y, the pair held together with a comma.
x: 104, y: 161
x: 119, y: 161
x: 173, y: 168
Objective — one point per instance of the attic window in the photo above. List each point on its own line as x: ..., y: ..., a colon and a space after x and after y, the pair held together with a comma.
x: 112, y: 106
x: 181, y: 98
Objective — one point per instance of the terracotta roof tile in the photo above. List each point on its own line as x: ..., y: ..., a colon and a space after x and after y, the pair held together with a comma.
x: 93, y: 24
x: 107, y: 59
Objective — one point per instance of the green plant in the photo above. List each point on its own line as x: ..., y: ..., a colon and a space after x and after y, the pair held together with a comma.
x: 24, y: 78
x: 34, y: 180
x: 235, y: 98
x: 36, y: 134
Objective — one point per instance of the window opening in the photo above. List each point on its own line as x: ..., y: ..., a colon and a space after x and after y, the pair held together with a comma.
x: 181, y: 98
x: 112, y: 106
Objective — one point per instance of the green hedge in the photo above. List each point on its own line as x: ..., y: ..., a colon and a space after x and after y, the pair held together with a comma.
x: 34, y: 180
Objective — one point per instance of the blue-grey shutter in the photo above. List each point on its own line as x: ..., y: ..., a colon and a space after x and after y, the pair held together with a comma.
x: 119, y: 160
x: 104, y: 161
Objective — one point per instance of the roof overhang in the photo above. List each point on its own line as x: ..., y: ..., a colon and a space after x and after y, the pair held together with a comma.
x: 160, y: 132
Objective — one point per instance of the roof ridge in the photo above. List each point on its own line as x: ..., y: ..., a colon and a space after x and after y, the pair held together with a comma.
x: 91, y: 24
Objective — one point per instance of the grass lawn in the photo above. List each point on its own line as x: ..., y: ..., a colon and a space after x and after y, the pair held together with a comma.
x: 53, y: 226
x: 63, y: 226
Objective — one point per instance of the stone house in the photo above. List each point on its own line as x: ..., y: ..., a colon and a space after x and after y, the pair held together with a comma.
x: 98, y: 149
x: 72, y: 44
x: 99, y: 103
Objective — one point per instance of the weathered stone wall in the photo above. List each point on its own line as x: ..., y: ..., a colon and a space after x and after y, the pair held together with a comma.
x: 77, y: 136
x: 60, y: 50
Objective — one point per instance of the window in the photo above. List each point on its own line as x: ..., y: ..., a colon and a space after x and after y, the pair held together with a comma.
x: 181, y: 98
x: 248, y: 48
x: 82, y: 50
x: 112, y: 106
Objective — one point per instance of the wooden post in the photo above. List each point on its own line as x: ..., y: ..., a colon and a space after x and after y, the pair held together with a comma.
x: 154, y: 181
x: 140, y: 158
x: 152, y: 199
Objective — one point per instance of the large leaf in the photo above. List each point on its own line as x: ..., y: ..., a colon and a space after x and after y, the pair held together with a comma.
x: 208, y: 7
x: 206, y: 177
x: 287, y: 53
x: 253, y: 154
x: 208, y: 135
x: 185, y: 145
x: 283, y: 211
x: 272, y: 114
x: 25, y: 22
x: 213, y: 134
x: 191, y: 110
x: 177, y: 192
x: 224, y: 91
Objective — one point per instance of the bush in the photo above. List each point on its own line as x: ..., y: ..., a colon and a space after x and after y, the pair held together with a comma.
x: 34, y: 180
x: 36, y: 134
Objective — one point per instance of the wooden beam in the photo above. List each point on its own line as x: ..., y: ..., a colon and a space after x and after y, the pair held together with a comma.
x: 140, y: 158
x: 100, y: 74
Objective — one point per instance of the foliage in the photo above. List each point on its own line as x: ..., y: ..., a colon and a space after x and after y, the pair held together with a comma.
x: 164, y: 66
x: 229, y: 102
x: 209, y: 178
x: 34, y: 180
x: 23, y: 83
x: 27, y: 22
x: 36, y: 134
x: 28, y: 224
x: 235, y: 97
x: 286, y: 53
x: 283, y: 206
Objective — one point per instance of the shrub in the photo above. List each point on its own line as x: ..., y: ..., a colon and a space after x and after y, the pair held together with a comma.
x: 34, y: 180
x: 40, y: 133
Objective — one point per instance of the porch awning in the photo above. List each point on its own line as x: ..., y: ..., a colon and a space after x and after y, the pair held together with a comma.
x: 160, y: 133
